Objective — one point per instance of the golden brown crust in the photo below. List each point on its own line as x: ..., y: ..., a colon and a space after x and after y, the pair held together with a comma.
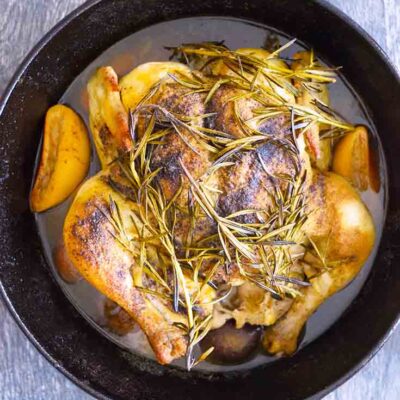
x: 249, y: 183
x: 231, y: 111
x: 91, y: 245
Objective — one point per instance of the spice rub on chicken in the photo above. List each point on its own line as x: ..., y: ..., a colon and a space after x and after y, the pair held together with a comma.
x: 214, y: 201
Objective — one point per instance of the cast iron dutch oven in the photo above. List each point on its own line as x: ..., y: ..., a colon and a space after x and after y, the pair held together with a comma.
x: 54, y: 325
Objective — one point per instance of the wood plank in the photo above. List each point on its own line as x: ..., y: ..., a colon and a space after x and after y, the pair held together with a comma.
x: 392, y: 24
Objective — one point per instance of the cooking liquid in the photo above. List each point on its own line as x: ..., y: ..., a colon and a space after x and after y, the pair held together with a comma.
x: 148, y: 45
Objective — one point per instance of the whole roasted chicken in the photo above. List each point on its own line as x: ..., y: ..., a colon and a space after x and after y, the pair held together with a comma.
x: 216, y: 199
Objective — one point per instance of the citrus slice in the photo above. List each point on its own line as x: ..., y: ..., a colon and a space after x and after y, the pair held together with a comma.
x: 351, y: 158
x: 64, y: 160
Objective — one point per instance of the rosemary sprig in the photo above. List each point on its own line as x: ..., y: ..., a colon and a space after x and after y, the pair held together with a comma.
x: 245, y: 65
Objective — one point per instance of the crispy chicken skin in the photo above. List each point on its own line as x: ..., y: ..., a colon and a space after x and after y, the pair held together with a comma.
x: 90, y: 237
x: 179, y: 146
x: 247, y: 185
x: 230, y: 113
x: 103, y: 261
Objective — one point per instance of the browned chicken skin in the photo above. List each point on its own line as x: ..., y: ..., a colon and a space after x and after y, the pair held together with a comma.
x: 107, y: 265
x: 91, y: 239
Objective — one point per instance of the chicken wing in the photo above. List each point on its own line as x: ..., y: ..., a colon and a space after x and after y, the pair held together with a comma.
x: 108, y: 117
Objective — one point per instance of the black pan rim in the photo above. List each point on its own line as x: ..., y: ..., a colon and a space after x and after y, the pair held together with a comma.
x: 8, y: 91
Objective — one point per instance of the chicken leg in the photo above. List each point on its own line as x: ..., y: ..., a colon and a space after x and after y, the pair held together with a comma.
x: 343, y: 234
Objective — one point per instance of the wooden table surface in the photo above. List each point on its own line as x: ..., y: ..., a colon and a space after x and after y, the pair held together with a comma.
x: 24, y: 373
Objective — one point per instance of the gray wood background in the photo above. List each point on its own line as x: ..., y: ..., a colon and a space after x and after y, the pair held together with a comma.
x: 24, y: 373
